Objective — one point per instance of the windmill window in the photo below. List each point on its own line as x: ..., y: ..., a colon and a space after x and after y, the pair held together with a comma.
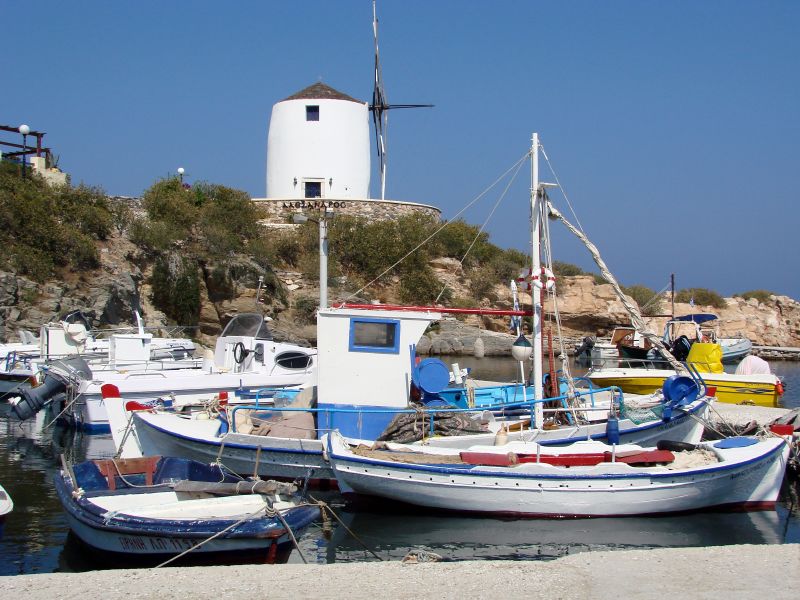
x: 313, y: 189
x: 312, y: 113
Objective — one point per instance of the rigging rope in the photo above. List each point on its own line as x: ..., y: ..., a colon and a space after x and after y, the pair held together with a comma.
x: 435, y: 233
x: 486, y: 222
x: 636, y: 317
x: 561, y: 187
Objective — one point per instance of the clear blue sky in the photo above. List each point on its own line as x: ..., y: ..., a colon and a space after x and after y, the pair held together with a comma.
x: 673, y: 125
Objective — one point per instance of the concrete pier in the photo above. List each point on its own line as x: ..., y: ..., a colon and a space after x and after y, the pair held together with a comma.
x: 741, y: 414
x: 729, y: 572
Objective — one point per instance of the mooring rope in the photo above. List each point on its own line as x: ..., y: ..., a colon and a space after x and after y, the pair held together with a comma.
x: 325, y: 506
x: 216, y: 535
x: 445, y: 224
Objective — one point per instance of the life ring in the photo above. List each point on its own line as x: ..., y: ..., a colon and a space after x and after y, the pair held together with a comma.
x: 546, y: 280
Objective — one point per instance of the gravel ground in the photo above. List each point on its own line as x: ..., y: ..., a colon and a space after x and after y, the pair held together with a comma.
x: 727, y: 572
x: 740, y: 414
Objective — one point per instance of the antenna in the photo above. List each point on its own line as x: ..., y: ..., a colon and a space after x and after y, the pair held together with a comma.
x: 380, y: 106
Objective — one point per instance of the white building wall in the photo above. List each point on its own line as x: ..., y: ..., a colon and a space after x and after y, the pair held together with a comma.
x: 334, y: 150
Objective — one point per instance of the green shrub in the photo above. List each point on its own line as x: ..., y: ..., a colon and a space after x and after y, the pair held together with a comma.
x: 566, y: 269
x: 85, y: 208
x: 186, y: 297
x: 220, y: 285
x: 167, y: 202
x: 650, y: 303
x: 762, y: 296
x: 152, y: 236
x: 176, y: 289
x: 457, y: 238
x: 481, y: 283
x: 305, y: 309
x: 287, y: 249
x: 701, y: 296
x: 420, y: 286
x: 507, y: 264
x: 82, y: 252
x: 43, y: 227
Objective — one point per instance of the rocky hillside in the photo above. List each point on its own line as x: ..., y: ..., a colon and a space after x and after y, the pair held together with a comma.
x: 112, y: 292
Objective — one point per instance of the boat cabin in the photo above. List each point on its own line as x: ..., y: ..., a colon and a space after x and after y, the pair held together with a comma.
x: 246, y: 345
x: 366, y: 362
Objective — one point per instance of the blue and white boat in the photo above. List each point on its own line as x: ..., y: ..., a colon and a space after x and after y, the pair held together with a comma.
x: 6, y: 506
x: 157, y: 508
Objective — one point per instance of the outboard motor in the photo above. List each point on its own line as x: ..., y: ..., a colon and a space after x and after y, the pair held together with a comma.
x: 59, y: 374
x: 681, y: 348
x: 584, y: 351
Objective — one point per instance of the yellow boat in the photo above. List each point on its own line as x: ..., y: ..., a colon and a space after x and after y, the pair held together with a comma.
x: 761, y: 389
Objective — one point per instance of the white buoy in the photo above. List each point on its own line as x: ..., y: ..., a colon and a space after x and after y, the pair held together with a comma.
x: 478, y: 349
x: 457, y: 378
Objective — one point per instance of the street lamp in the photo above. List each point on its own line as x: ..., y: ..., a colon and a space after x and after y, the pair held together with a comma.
x: 322, y: 221
x: 24, y: 130
x: 181, y: 171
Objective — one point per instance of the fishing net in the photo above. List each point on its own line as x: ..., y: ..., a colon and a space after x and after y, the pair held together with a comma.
x: 639, y: 414
x: 411, y: 427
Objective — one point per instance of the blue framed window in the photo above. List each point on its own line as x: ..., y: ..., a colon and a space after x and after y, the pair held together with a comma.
x: 312, y: 113
x: 380, y: 336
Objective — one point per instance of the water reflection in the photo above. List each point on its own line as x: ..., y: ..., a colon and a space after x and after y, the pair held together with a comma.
x: 393, y: 535
x: 36, y: 539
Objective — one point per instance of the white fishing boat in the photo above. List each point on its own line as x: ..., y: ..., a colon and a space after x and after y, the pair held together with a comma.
x: 72, y: 336
x: 246, y: 361
x: 585, y: 479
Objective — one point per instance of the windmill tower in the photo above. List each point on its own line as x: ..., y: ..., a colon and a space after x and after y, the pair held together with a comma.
x: 318, y: 153
x: 318, y: 146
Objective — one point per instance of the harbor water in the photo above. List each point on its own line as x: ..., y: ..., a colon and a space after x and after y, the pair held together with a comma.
x: 36, y: 536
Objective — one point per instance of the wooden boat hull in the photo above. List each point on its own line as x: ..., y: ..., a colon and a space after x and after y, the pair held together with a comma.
x: 541, y: 490
x: 759, y: 390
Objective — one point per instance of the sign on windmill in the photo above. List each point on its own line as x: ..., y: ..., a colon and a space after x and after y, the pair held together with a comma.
x: 543, y: 279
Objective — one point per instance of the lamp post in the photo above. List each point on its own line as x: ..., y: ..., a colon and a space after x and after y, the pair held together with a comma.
x: 322, y: 221
x: 181, y: 171
x: 24, y: 130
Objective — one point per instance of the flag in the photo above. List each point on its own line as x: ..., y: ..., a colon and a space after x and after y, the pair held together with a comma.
x: 516, y: 322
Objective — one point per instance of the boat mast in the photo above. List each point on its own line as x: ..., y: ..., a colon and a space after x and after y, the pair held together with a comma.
x: 536, y: 271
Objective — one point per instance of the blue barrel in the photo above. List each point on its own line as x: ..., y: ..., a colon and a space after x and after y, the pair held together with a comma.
x: 612, y: 429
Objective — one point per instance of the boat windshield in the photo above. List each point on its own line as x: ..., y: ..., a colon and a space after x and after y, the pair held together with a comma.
x: 248, y: 325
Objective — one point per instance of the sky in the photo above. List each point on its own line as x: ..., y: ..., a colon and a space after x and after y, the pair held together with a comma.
x: 672, y: 126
